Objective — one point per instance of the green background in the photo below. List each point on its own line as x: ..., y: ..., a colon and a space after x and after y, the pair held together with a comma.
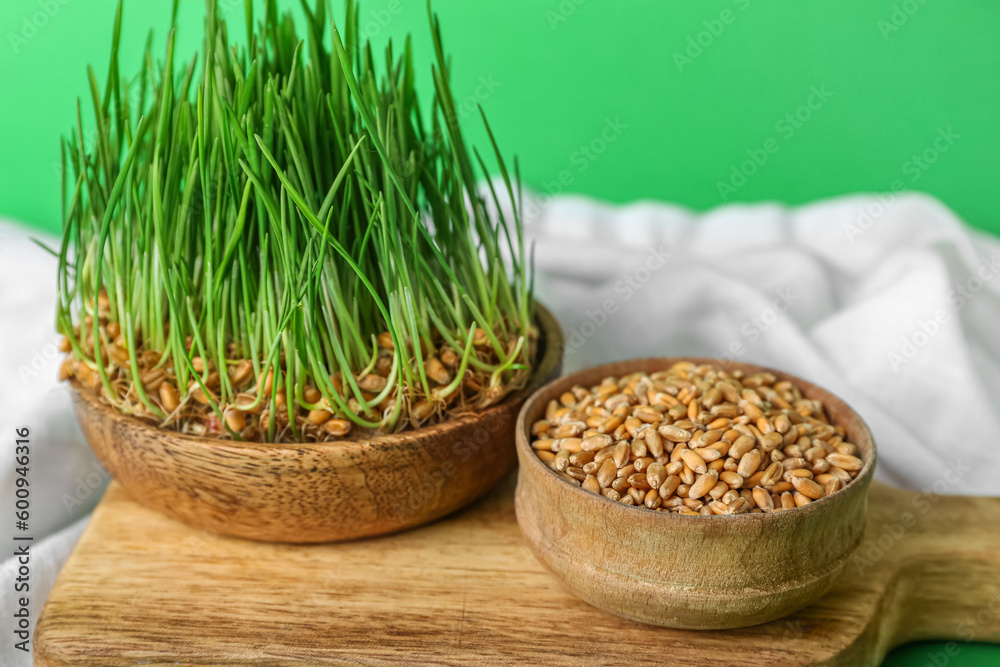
x: 621, y: 100
x: 898, y: 71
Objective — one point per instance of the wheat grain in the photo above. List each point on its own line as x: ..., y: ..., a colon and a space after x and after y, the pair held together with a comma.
x: 696, y: 440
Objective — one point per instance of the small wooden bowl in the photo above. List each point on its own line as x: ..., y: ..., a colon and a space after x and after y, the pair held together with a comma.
x: 692, y: 572
x: 315, y: 492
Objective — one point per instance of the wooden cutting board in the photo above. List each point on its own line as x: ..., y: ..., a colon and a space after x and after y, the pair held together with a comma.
x: 143, y: 589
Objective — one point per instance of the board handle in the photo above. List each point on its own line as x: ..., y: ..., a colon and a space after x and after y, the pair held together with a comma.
x: 946, y: 554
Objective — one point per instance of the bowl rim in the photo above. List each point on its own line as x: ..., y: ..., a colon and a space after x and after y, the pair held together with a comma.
x: 522, y: 438
x: 549, y: 356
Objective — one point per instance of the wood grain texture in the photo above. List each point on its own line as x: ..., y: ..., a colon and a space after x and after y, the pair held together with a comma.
x: 694, y: 572
x: 143, y: 589
x: 316, y: 492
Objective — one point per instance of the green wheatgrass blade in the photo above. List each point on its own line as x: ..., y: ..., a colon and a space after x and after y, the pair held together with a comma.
x: 105, y: 232
x: 286, y: 203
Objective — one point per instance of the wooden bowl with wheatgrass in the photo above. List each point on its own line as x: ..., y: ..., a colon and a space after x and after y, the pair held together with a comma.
x: 709, y: 546
x: 362, y: 485
x: 286, y: 312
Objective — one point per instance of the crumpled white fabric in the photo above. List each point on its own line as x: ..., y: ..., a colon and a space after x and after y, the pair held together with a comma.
x: 889, y: 301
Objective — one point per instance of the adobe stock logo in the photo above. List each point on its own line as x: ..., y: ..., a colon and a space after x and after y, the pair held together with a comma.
x: 757, y: 326
x: 378, y: 21
x: 787, y: 127
x: 698, y: 43
x: 899, y: 17
x: 915, y: 168
x: 626, y: 288
x: 562, y: 12
x: 582, y: 158
x: 31, y: 24
x: 959, y: 297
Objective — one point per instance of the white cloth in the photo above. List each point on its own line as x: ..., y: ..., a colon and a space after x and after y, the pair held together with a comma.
x: 889, y: 302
